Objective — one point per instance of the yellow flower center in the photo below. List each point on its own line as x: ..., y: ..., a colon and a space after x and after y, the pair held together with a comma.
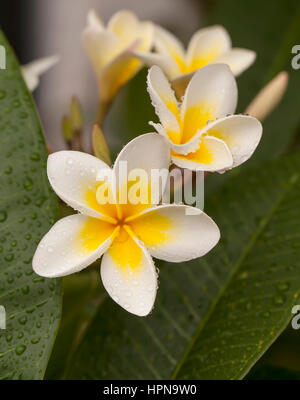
x: 124, y: 224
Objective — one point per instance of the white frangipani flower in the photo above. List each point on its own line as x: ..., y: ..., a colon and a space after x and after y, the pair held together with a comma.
x: 33, y: 70
x: 127, y: 235
x: 201, y: 132
x: 210, y: 45
x: 110, y: 49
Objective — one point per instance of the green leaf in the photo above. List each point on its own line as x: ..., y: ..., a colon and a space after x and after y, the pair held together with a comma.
x: 284, y: 352
x: 214, y: 316
x: 271, y: 29
x: 28, y: 207
x: 82, y: 297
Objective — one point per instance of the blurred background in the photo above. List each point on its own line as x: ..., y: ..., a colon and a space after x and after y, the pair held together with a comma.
x: 39, y: 28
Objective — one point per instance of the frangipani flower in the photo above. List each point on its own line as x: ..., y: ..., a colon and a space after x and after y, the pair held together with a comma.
x: 110, y: 49
x: 201, y: 132
x: 32, y: 71
x: 127, y: 234
x: 207, y: 46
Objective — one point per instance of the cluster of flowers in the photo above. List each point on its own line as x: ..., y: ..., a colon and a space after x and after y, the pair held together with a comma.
x: 194, y: 94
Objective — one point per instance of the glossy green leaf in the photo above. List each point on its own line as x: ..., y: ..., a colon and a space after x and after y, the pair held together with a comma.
x: 82, y: 297
x: 271, y: 28
x: 214, y: 316
x: 28, y: 207
x: 284, y: 352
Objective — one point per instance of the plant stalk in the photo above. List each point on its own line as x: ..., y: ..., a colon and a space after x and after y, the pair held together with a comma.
x: 104, y: 106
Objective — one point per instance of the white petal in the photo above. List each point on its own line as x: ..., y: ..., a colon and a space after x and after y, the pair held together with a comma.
x: 164, y: 102
x: 94, y: 20
x: 128, y: 28
x: 32, y: 71
x: 241, y: 133
x: 212, y: 155
x: 212, y: 88
x: 73, y: 176
x: 176, y: 233
x: 167, y: 44
x: 159, y: 85
x: 146, y: 33
x: 119, y: 71
x: 111, y: 50
x: 206, y: 45
x: 237, y: 59
x: 129, y: 276
x: 161, y: 130
x: 165, y: 62
x: 101, y: 46
x: 147, y: 152
x: 186, y: 148
x: 65, y: 249
x: 121, y: 21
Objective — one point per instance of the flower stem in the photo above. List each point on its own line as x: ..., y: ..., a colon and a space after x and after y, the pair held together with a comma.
x: 104, y: 106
